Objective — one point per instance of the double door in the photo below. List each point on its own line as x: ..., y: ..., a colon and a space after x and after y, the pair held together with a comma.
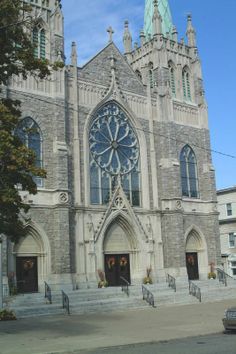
x: 117, y: 266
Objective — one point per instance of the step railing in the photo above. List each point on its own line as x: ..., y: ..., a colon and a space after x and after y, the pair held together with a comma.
x: 125, y: 286
x: 222, y: 276
x: 48, y: 292
x: 195, y: 291
x: 171, y: 282
x: 148, y: 296
x: 65, y: 302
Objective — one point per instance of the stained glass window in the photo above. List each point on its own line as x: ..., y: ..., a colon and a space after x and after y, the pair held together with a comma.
x: 29, y: 133
x: 114, y: 151
x: 188, y: 169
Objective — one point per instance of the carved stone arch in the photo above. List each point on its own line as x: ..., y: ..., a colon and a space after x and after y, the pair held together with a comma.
x: 121, y: 220
x: 171, y: 64
x: 41, y: 24
x: 35, y: 244
x: 141, y: 139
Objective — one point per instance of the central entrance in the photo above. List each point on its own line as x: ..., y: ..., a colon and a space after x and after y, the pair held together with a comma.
x: 117, y: 266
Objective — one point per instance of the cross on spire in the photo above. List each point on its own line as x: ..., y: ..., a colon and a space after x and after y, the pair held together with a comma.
x: 111, y: 32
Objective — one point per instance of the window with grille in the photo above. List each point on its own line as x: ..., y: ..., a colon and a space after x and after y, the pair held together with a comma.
x: 172, y: 79
x: 39, y: 42
x: 229, y: 209
x: 231, y: 240
x: 186, y: 84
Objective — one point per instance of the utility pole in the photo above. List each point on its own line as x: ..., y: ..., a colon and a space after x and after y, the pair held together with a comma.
x: 1, y: 286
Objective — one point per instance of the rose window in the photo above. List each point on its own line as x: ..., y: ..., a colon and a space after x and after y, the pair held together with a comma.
x: 114, y: 151
x: 113, y: 143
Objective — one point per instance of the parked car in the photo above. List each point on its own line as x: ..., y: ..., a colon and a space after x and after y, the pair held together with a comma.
x: 229, y: 320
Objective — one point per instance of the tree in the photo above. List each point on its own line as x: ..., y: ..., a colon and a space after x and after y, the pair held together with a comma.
x: 17, y: 168
x: 17, y: 162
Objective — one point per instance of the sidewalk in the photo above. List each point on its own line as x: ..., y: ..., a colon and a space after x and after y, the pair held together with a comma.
x: 62, y: 334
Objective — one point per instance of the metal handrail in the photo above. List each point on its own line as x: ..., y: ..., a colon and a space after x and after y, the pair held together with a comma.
x: 125, y: 286
x: 48, y: 292
x: 222, y: 276
x: 195, y: 291
x: 65, y: 302
x: 148, y: 296
x: 171, y: 282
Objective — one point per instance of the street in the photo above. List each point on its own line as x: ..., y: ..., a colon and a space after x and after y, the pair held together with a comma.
x: 214, y: 344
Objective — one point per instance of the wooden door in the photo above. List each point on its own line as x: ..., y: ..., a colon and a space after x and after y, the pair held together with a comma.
x: 117, y: 266
x: 27, y: 274
x: 192, y: 265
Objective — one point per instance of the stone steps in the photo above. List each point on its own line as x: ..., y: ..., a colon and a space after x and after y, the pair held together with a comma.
x: 85, y: 301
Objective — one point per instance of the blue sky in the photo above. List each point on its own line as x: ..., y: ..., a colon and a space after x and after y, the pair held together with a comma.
x: 86, y: 23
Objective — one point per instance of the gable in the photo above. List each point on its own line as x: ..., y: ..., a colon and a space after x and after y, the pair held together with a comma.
x: 98, y: 70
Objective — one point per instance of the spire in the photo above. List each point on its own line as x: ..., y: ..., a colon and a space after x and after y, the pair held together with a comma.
x: 156, y: 20
x: 73, y: 54
x: 164, y: 11
x: 127, y: 39
x: 191, y: 33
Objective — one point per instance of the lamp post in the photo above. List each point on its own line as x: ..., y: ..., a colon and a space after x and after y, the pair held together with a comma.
x: 1, y: 286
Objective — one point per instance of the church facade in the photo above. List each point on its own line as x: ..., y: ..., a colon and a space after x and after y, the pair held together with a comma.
x: 125, y: 142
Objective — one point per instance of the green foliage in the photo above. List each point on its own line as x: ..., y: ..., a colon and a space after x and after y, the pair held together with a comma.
x: 17, y: 49
x: 17, y: 167
x: 17, y: 162
x: 7, y: 315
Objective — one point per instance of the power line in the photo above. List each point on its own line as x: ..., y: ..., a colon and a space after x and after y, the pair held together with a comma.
x: 143, y: 130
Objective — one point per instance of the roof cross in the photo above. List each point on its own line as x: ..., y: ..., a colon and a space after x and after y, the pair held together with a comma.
x: 111, y: 32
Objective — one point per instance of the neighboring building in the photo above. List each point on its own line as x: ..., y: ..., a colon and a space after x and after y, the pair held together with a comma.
x: 125, y: 142
x: 227, y: 218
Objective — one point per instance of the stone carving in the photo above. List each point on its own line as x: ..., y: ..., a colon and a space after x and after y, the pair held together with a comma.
x: 63, y: 198
x: 119, y: 203
x: 178, y: 205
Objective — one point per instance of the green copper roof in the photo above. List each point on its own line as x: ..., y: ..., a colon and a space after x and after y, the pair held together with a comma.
x: 164, y: 10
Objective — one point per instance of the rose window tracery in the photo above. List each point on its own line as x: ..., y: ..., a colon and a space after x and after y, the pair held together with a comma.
x: 113, y: 143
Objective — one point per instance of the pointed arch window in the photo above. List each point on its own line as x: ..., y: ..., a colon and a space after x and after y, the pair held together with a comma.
x: 114, y: 153
x: 189, y: 177
x: 39, y: 42
x: 30, y: 134
x: 186, y: 84
x: 172, y: 79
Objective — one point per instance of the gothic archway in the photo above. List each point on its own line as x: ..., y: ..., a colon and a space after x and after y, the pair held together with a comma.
x: 32, y: 254
x: 120, y: 251
x: 196, y: 254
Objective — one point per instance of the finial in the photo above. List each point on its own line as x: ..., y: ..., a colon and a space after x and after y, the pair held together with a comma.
x: 191, y: 33
x: 142, y: 37
x: 156, y: 20
x: 111, y: 32
x: 175, y: 34
x: 127, y: 38
x: 73, y: 54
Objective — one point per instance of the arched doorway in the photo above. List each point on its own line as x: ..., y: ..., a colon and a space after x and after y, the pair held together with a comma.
x: 32, y: 261
x: 117, y: 248
x: 193, y: 245
x: 195, y: 254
